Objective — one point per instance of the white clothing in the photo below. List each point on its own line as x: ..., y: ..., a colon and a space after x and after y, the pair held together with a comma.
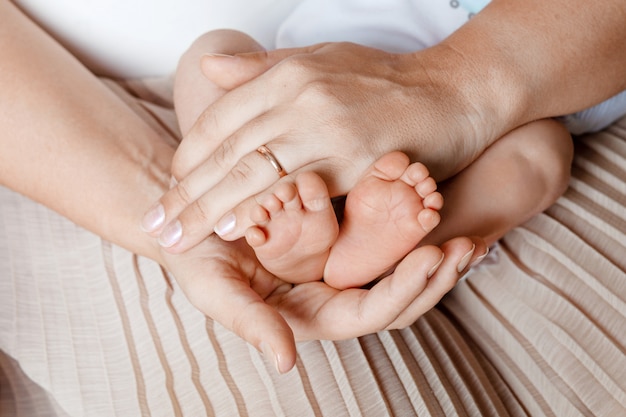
x: 146, y: 38
x: 393, y: 25
x: 89, y: 329
x: 596, y: 118
x: 141, y: 38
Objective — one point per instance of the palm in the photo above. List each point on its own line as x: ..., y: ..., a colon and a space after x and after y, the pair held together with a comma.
x: 226, y: 282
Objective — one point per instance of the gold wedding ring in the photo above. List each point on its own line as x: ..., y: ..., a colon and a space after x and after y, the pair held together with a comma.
x: 267, y: 154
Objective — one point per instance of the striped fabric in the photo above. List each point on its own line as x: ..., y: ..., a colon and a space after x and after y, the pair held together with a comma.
x: 89, y: 329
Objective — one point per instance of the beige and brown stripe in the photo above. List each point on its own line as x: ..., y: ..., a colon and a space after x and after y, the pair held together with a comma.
x: 88, y: 329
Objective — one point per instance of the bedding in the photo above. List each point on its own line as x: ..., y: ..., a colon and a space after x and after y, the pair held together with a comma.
x: 89, y: 329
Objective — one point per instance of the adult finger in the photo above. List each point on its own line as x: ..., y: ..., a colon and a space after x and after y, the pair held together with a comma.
x: 317, y: 311
x: 230, y: 290
x: 192, y: 209
x: 238, y: 107
x: 231, y: 71
x: 309, y: 113
x: 459, y: 255
x: 222, y: 126
x: 195, y: 212
x: 331, y: 314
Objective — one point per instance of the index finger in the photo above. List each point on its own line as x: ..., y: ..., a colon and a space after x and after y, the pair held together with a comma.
x: 248, y: 98
x: 214, y: 127
x: 230, y: 288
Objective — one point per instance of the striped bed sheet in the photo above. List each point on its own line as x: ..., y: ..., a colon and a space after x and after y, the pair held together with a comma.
x: 539, y: 329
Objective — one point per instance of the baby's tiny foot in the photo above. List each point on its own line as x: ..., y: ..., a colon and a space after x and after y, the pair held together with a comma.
x: 295, y: 227
x: 387, y: 213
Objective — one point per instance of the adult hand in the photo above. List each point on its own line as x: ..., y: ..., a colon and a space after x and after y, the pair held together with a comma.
x: 316, y: 311
x: 226, y: 282
x: 332, y: 108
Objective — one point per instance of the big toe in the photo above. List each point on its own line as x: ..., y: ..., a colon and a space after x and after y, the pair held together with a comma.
x: 313, y: 192
x: 391, y: 166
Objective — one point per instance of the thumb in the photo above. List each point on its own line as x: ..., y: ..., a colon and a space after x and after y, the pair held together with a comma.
x: 263, y: 327
x: 231, y: 71
x: 240, y: 309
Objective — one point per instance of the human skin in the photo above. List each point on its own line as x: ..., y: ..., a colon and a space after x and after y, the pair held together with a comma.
x: 513, y: 63
x: 71, y: 144
x: 517, y: 177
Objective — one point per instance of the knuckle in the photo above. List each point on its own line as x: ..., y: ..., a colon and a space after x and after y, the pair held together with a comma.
x: 183, y: 159
x: 183, y: 194
x: 223, y: 155
x: 297, y: 65
x: 318, y: 92
x: 201, y: 212
x: 207, y: 119
x: 242, y: 172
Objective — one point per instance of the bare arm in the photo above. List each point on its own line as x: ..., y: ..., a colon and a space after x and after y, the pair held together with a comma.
x: 70, y: 143
x: 515, y: 62
x: 526, y: 60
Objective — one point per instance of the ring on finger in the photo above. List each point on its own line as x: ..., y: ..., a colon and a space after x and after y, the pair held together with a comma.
x: 267, y: 154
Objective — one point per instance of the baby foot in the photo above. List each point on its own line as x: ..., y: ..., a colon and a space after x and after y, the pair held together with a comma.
x: 295, y: 227
x: 387, y: 213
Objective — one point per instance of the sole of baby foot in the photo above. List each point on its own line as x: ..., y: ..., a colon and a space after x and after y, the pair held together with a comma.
x: 386, y: 215
x: 295, y: 226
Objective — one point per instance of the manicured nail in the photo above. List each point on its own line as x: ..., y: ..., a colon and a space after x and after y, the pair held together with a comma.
x: 211, y: 55
x: 480, y: 258
x: 153, y: 219
x: 465, y: 260
x: 434, y: 268
x: 225, y: 225
x: 172, y: 233
x: 269, y: 354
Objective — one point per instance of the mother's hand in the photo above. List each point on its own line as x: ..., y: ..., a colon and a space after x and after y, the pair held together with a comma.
x: 226, y: 282
x: 332, y: 108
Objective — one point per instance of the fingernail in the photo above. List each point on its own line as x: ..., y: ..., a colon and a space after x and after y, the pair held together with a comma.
x: 269, y: 354
x: 225, y: 225
x: 172, y: 233
x: 434, y: 268
x: 480, y: 258
x: 173, y: 182
x: 153, y: 219
x: 211, y: 55
x: 465, y: 260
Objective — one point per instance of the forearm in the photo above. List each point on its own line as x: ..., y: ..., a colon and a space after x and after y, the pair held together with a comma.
x: 533, y: 59
x: 70, y: 143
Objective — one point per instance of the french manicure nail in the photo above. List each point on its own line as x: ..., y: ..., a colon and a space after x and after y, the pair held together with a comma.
x: 465, y: 260
x: 172, y: 233
x: 211, y: 54
x: 153, y: 219
x: 269, y: 354
x: 225, y: 225
x: 480, y: 258
x: 435, y: 267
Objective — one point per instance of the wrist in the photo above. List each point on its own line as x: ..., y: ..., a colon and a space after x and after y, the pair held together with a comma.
x: 156, y: 180
x: 141, y: 178
x: 491, y: 92
x: 461, y: 103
